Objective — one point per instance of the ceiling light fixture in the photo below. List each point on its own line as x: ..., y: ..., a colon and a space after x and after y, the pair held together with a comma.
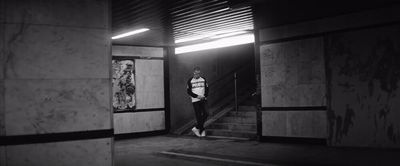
x: 130, y: 33
x: 190, y: 39
x: 224, y: 42
x: 213, y: 35
x: 227, y: 31
x: 228, y: 34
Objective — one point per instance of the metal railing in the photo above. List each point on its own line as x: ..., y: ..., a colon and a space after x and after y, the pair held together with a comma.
x: 231, y: 84
x: 236, y: 101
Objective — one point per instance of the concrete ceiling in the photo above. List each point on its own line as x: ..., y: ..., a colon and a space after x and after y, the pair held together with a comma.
x: 180, y: 18
x: 190, y: 18
x: 134, y: 14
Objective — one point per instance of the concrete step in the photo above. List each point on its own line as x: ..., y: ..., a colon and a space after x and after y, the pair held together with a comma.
x: 231, y: 133
x: 228, y: 138
x: 241, y: 120
x: 249, y: 114
x: 234, y: 126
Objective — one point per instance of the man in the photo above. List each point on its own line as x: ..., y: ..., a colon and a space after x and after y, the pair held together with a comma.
x: 197, y: 89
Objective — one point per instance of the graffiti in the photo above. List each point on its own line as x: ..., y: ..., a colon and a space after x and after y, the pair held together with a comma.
x: 123, y: 82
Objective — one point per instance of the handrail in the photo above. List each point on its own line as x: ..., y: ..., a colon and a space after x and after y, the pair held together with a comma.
x: 230, y: 84
x: 236, y: 101
x: 230, y: 73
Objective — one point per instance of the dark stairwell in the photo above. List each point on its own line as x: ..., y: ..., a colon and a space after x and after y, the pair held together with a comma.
x: 225, y: 121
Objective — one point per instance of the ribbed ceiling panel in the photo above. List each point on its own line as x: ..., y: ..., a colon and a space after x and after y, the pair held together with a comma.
x: 189, y: 18
x: 134, y: 14
x: 194, y: 18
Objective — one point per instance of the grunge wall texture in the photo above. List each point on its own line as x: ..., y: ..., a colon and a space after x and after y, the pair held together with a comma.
x: 361, y: 50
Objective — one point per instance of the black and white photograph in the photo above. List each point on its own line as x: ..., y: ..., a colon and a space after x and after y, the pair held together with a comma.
x: 199, y: 82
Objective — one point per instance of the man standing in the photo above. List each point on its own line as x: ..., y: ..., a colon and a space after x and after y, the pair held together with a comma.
x: 197, y: 88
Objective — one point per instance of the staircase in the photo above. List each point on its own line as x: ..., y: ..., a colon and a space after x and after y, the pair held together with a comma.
x: 236, y: 125
x: 224, y: 121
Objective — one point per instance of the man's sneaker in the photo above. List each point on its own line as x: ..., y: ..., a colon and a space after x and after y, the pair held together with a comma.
x: 196, y: 131
x: 203, y: 133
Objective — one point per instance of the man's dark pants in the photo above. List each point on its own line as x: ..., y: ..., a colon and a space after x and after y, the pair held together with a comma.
x: 201, y: 114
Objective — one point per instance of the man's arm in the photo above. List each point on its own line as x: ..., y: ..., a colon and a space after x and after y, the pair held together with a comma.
x: 205, y: 88
x: 189, y: 89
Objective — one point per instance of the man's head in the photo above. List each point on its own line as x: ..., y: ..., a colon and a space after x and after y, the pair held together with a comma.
x: 196, y: 72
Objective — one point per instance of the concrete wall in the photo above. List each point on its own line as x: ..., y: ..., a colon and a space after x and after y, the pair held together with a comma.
x: 149, y: 83
x: 214, y: 65
x: 2, y: 63
x: 364, y: 75
x: 149, y: 80
x: 137, y: 122
x: 293, y: 76
x: 54, y: 79
x: 298, y: 124
x: 360, y: 51
x: 292, y: 73
x: 284, y: 12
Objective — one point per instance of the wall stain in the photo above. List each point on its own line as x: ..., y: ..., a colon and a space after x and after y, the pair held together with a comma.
x: 343, y: 124
x: 348, y: 119
x: 383, y: 113
x: 366, y: 71
x: 346, y: 85
x: 10, y: 61
x: 338, y: 130
x: 47, y: 118
x: 390, y: 133
x: 388, y: 72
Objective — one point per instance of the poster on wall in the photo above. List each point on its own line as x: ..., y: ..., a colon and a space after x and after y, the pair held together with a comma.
x: 123, y: 84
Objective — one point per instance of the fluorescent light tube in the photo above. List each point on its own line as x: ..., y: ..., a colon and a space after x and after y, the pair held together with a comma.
x: 213, y: 35
x: 227, y: 34
x: 130, y: 33
x: 190, y: 39
x: 224, y: 42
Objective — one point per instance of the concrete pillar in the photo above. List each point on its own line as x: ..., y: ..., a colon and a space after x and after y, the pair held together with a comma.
x: 55, y: 83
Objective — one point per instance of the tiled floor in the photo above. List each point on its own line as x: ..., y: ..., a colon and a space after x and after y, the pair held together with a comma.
x: 186, y: 150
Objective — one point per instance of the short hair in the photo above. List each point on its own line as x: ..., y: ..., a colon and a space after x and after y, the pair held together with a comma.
x: 197, y: 68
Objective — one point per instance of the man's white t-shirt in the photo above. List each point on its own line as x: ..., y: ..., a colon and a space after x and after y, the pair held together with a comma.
x: 198, y: 87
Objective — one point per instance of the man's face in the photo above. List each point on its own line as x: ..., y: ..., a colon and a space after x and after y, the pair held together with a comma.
x: 196, y: 74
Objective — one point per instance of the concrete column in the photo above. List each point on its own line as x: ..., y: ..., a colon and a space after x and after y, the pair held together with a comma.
x: 55, y: 83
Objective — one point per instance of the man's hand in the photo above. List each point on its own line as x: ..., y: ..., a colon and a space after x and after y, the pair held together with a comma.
x: 201, y: 97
